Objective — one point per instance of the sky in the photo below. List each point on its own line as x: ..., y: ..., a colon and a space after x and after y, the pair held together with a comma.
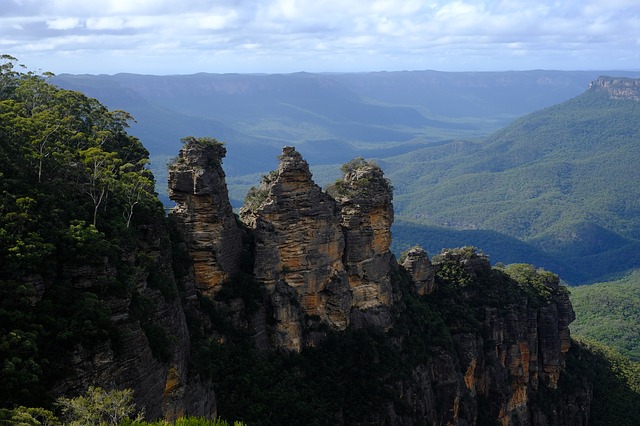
x: 164, y: 37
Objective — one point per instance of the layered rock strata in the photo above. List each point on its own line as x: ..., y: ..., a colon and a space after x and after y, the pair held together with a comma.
x: 323, y: 258
x: 165, y: 388
x: 299, y: 247
x: 618, y: 87
x: 522, y: 350
x: 203, y: 213
x: 366, y: 214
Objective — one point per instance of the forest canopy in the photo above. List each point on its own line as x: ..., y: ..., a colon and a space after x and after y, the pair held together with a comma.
x: 73, y: 184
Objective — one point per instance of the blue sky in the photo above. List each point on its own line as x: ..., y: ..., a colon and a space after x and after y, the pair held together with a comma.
x: 282, y: 36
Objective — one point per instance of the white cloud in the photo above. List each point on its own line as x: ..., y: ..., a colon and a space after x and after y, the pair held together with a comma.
x: 63, y: 23
x: 217, y: 21
x: 106, y: 23
x: 327, y: 35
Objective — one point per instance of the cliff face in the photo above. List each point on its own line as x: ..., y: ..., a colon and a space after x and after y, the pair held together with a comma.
x: 508, y: 367
x: 204, y: 215
x: 366, y: 214
x: 298, y: 252
x: 618, y: 87
x: 152, y: 350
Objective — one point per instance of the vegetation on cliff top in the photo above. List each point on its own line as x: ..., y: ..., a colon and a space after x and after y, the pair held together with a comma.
x: 73, y: 188
x: 360, y: 179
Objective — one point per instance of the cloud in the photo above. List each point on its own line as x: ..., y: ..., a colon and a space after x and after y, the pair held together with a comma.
x: 63, y: 23
x: 106, y: 23
x: 292, y: 35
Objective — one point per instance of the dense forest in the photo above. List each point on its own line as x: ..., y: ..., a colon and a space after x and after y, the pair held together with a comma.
x: 609, y: 313
x: 73, y: 187
x: 76, y: 196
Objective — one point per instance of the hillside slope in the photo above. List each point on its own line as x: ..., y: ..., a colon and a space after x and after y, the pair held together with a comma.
x: 563, y: 179
x: 610, y: 313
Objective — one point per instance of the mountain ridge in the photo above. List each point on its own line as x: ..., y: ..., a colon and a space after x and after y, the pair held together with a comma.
x: 560, y: 179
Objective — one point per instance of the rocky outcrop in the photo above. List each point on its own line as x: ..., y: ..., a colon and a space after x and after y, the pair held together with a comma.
x: 323, y: 259
x: 618, y: 87
x: 520, y: 356
x: 417, y: 263
x: 203, y: 213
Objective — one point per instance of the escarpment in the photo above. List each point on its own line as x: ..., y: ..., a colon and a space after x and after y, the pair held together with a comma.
x: 516, y: 357
x: 148, y: 348
x: 618, y: 87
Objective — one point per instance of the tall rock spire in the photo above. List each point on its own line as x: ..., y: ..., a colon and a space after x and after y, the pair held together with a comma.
x: 204, y: 214
x: 298, y: 250
x: 366, y: 213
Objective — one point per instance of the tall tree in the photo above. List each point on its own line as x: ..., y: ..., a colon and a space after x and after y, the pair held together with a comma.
x: 100, y: 167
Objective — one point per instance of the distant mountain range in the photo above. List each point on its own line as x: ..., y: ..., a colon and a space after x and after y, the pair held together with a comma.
x: 555, y: 188
x: 330, y: 118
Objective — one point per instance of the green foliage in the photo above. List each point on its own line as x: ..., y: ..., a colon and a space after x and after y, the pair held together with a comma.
x: 561, y: 179
x: 609, y: 313
x: 256, y: 196
x: 74, y: 190
x: 538, y: 283
x: 27, y: 416
x: 98, y: 407
x: 184, y: 421
x: 353, y: 165
x: 204, y: 141
x: 616, y: 382
x: 359, y: 178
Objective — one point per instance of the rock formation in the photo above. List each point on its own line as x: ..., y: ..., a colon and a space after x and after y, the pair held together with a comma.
x: 298, y: 250
x: 162, y: 384
x: 523, y: 350
x: 618, y: 87
x: 366, y: 214
x: 323, y: 258
x: 417, y: 263
x: 204, y: 214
